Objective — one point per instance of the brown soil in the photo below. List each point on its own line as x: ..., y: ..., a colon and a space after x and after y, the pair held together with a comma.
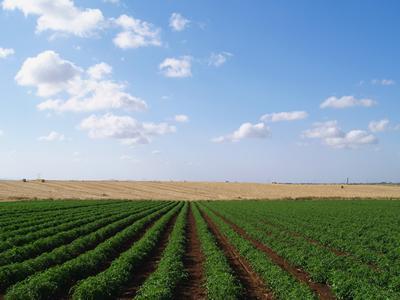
x: 253, y: 285
x: 149, y: 265
x: 322, y: 290
x: 192, y: 288
x: 168, y: 190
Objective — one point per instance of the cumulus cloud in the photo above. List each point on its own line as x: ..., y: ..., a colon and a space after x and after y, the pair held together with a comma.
x: 99, y: 71
x: 126, y: 129
x: 52, y: 137
x: 177, y: 67
x: 332, y: 135
x: 346, y: 101
x: 378, y: 126
x: 181, y: 118
x: 61, y: 16
x: 48, y: 72
x: 177, y: 22
x: 75, y: 89
x: 6, y: 52
x: 284, y: 116
x: 246, y: 130
x: 383, y: 82
x: 136, y: 33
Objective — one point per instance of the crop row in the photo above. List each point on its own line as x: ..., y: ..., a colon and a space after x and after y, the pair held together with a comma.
x: 30, y: 250
x: 69, y: 223
x: 348, y: 278
x: 16, y: 272
x: 39, y: 207
x: 366, y: 230
x: 59, y: 279
x: 220, y: 282
x: 170, y: 270
x: 108, y: 284
x: 31, y: 219
x: 34, y: 224
x: 282, y: 284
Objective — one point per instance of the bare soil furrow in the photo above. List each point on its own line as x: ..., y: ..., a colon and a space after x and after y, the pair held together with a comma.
x: 193, y: 287
x: 254, y: 287
x: 322, y: 290
x: 149, y: 265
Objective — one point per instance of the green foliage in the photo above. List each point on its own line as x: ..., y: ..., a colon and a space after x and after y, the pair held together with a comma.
x: 283, y: 285
x: 220, y: 281
x: 13, y: 273
x: 107, y: 284
x: 58, y: 279
x: 170, y: 270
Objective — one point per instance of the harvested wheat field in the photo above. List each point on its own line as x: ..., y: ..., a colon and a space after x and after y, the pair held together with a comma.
x: 18, y: 190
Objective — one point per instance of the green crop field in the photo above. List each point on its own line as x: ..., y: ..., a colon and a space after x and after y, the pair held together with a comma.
x: 309, y: 249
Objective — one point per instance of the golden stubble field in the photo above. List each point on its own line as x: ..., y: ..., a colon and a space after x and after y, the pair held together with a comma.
x: 18, y: 190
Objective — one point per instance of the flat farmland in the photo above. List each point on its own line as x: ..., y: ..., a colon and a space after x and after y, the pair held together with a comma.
x: 303, y: 249
x: 164, y: 190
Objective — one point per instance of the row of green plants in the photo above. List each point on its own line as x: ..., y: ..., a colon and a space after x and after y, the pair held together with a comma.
x: 13, y: 273
x: 57, y: 280
x: 366, y: 230
x: 24, y: 219
x: 170, y: 270
x: 68, y: 223
x: 109, y: 283
x: 55, y: 220
x: 39, y: 246
x: 281, y: 283
x: 220, y: 282
x: 26, y: 208
x: 348, y: 278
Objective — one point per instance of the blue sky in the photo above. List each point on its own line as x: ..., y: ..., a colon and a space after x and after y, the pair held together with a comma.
x: 303, y: 91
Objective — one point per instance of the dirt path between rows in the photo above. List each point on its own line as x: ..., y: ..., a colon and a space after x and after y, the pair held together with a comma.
x: 193, y: 260
x: 148, y: 265
x: 254, y: 287
x: 323, y: 291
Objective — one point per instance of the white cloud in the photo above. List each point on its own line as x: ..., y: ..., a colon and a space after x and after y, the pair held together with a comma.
x: 383, y: 81
x: 124, y: 128
x: 48, y: 72
x: 1, y: 132
x: 136, y: 33
x: 5, y: 52
x: 177, y: 22
x: 52, y: 136
x: 345, y: 102
x: 284, y: 116
x: 156, y: 152
x: 177, y: 67
x: 181, y: 118
x: 246, y: 130
x: 112, y: 1
x: 60, y: 16
x: 218, y: 59
x: 378, y: 126
x: 53, y: 76
x: 98, y: 71
x: 332, y: 135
